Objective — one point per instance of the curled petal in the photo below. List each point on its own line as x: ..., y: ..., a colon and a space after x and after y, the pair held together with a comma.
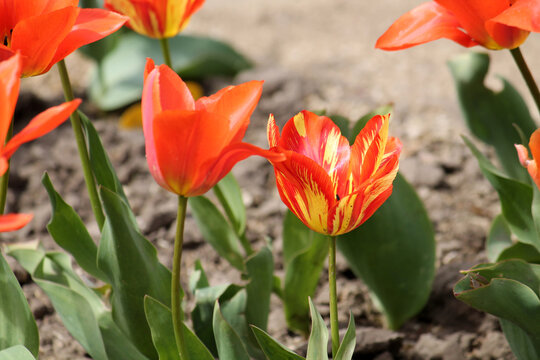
x: 272, y: 132
x: 10, y: 72
x: 523, y: 14
x: 11, y: 222
x: 40, y: 125
x: 427, y: 22
x: 91, y: 25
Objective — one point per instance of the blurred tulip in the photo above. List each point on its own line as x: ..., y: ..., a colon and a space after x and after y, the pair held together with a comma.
x: 10, y: 72
x: 156, y: 18
x: 191, y: 145
x: 331, y: 186
x: 494, y: 24
x: 531, y: 165
x: 46, y: 31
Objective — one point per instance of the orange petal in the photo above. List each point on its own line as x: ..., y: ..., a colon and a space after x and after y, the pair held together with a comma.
x: 37, y: 38
x: 150, y: 65
x: 236, y: 103
x: 186, y: 143
x: 222, y: 165
x: 306, y: 189
x: 40, y: 125
x: 534, y: 145
x: 423, y: 24
x: 319, y: 139
x: 10, y: 72
x: 91, y: 25
x: 523, y: 14
x: 11, y: 222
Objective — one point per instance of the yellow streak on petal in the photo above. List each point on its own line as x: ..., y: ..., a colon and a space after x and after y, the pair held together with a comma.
x: 300, y: 124
x: 311, y: 203
x: 330, y: 158
x: 343, y: 215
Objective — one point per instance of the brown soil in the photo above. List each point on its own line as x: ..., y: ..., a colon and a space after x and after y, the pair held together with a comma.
x: 312, y: 54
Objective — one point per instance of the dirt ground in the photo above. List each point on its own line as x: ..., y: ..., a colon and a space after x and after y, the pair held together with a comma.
x: 312, y: 54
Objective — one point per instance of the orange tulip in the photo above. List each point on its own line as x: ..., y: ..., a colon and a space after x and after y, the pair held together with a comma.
x: 494, y: 24
x: 331, y: 186
x: 156, y: 18
x: 46, y: 31
x: 191, y: 145
x: 10, y: 72
x: 523, y: 154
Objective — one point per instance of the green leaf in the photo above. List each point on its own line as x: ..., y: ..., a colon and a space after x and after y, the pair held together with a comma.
x: 130, y: 261
x: 521, y: 251
x: 491, y: 115
x: 120, y: 81
x: 394, y: 254
x: 271, y: 348
x: 260, y: 270
x: 346, y: 348
x: 99, y: 160
x: 17, y: 352
x: 228, y: 342
x: 498, y: 239
x: 515, y: 197
x: 160, y: 320
x: 69, y: 232
x: 229, y: 195
x: 17, y: 325
x: 360, y: 123
x: 304, y: 253
x: 318, y: 338
x: 343, y: 124
x: 198, y: 279
x: 509, y: 290
x: 520, y: 342
x: 217, y: 231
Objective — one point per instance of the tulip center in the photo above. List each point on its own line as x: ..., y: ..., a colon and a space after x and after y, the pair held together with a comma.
x: 337, y: 197
x: 7, y: 38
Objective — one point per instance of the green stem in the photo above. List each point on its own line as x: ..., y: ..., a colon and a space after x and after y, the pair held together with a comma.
x: 81, y: 145
x: 4, y: 180
x: 334, y: 324
x: 164, y: 42
x: 176, y: 288
x: 526, y: 73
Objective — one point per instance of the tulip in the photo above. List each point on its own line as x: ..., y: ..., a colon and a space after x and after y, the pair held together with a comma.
x: 330, y: 186
x: 46, y: 31
x: 494, y: 24
x: 191, y: 145
x: 156, y: 18
x: 523, y: 154
x: 10, y: 72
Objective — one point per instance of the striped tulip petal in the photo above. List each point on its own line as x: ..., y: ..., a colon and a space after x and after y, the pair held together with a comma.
x: 330, y: 186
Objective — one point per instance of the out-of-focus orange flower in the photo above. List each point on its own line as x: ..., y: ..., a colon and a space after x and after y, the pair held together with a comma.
x: 191, y: 145
x: 331, y: 186
x: 10, y: 72
x: 494, y: 24
x: 531, y: 165
x: 156, y: 18
x: 46, y: 31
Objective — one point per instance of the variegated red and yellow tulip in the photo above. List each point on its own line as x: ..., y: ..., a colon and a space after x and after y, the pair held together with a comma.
x: 494, y: 24
x: 10, y: 72
x: 191, y: 145
x: 531, y: 164
x: 156, y: 18
x: 331, y: 186
x: 46, y: 31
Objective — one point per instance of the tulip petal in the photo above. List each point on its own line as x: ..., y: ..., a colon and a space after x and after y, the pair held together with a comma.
x: 523, y: 14
x: 37, y: 38
x: 40, y: 125
x: 11, y: 222
x: 170, y: 91
x: 272, y: 132
x: 306, y: 189
x: 319, y: 139
x: 423, y: 24
x: 91, y: 25
x: 237, y: 103
x: 10, y: 72
x: 183, y: 142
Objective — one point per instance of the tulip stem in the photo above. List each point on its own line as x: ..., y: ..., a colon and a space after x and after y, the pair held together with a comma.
x: 4, y: 180
x: 526, y: 73
x: 164, y: 42
x: 334, y: 324
x: 82, y: 147
x: 176, y: 288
